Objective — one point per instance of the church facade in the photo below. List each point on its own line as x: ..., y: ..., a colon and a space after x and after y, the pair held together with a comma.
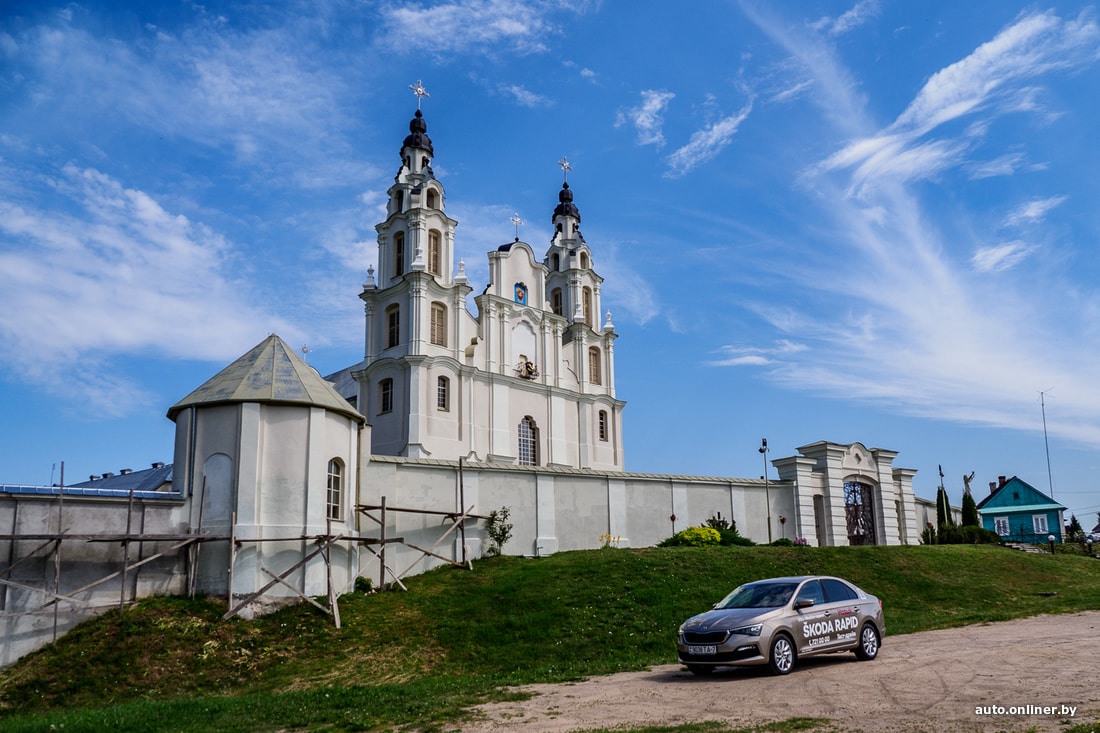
x: 529, y: 380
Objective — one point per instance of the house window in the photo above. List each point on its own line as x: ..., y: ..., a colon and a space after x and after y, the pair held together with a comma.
x: 587, y: 300
x: 335, y: 489
x: 528, y: 442
x: 1000, y: 526
x: 385, y: 396
x: 594, y: 365
x: 393, y: 326
x: 439, y: 324
x: 603, y: 425
x: 435, y: 254
x: 443, y: 393
x: 555, y: 300
x: 1039, y: 521
x: 398, y: 254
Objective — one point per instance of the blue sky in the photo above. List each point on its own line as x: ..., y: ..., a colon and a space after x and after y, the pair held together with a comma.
x: 871, y: 221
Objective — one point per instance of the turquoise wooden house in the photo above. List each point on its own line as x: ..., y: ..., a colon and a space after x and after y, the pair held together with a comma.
x: 1019, y: 512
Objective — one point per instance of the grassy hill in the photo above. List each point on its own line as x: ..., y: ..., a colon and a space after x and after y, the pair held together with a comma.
x: 458, y: 636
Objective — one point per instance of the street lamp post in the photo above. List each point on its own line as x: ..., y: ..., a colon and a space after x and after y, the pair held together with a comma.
x: 767, y: 493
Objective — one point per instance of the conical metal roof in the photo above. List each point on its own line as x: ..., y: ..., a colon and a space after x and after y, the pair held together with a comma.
x: 270, y: 373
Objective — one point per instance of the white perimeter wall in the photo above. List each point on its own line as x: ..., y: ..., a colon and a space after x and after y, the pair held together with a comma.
x: 553, y: 509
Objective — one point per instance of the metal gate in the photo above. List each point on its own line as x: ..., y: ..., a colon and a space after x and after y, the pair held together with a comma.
x: 859, y: 510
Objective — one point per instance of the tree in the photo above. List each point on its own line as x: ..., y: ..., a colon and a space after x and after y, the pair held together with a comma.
x: 969, y: 511
x: 1074, y: 531
x: 499, y: 530
x: 943, y: 510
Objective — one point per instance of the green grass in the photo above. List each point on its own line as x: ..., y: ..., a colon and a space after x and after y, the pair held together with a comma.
x: 458, y: 637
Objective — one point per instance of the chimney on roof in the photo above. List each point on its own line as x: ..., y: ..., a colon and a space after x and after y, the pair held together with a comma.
x: 93, y: 477
x: 158, y: 464
x: 1001, y: 481
x: 124, y: 471
x: 108, y: 475
x: 992, y: 486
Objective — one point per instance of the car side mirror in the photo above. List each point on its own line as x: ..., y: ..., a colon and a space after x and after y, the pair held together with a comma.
x: 803, y: 603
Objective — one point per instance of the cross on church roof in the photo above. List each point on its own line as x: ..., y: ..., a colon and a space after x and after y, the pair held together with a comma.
x: 518, y: 222
x: 565, y: 167
x: 420, y: 92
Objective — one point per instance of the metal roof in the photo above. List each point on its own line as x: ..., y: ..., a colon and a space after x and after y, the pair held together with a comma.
x: 270, y: 373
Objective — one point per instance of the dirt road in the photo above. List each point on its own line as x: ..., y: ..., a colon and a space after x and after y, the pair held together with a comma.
x: 1021, y: 675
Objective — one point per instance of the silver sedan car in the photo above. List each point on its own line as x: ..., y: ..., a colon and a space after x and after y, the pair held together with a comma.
x: 780, y: 620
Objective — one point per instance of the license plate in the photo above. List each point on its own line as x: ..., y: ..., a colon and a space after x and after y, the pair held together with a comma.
x: 703, y: 649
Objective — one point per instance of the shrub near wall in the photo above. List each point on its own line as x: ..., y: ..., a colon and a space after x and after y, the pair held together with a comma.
x: 693, y: 537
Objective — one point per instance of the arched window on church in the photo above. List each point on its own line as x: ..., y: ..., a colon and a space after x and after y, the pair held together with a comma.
x: 385, y: 396
x: 443, y: 393
x: 528, y: 442
x: 398, y: 254
x: 594, y: 365
x: 439, y: 324
x: 587, y: 304
x: 555, y: 262
x: 335, y: 497
x: 433, y: 198
x: 435, y: 253
x: 584, y: 261
x: 555, y: 301
x: 603, y: 425
x: 393, y: 326
x: 398, y: 202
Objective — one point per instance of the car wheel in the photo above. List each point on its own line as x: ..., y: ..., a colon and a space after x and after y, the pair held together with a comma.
x: 868, y: 642
x: 781, y: 658
x: 701, y: 670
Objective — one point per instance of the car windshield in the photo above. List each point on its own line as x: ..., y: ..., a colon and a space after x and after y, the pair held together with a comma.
x: 759, y: 595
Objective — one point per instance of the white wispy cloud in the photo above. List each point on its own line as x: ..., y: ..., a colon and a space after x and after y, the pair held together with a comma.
x: 524, y: 96
x: 258, y: 95
x: 889, y: 307
x: 1001, y: 257
x: 706, y: 143
x: 119, y: 276
x: 648, y: 117
x: 520, y: 26
x: 1004, y: 165
x: 860, y: 13
x: 991, y: 80
x: 1033, y: 212
x: 733, y: 356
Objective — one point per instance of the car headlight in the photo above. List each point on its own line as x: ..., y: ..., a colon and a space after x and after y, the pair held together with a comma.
x: 753, y: 630
x: 680, y: 631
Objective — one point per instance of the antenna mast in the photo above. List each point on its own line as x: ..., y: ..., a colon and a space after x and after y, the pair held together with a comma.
x: 1050, y: 476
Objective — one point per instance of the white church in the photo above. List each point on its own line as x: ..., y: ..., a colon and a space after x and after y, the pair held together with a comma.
x: 288, y: 486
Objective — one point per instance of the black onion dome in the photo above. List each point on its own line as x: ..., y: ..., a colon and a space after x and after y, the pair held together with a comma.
x: 565, y: 206
x: 418, y: 134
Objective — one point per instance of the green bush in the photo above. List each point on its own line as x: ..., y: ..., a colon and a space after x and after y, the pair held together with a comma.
x: 954, y: 535
x: 730, y: 537
x: 783, y: 542
x: 693, y: 537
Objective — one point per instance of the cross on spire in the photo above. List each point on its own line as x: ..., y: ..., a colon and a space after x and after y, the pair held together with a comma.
x: 420, y: 92
x: 518, y: 222
x: 565, y: 168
